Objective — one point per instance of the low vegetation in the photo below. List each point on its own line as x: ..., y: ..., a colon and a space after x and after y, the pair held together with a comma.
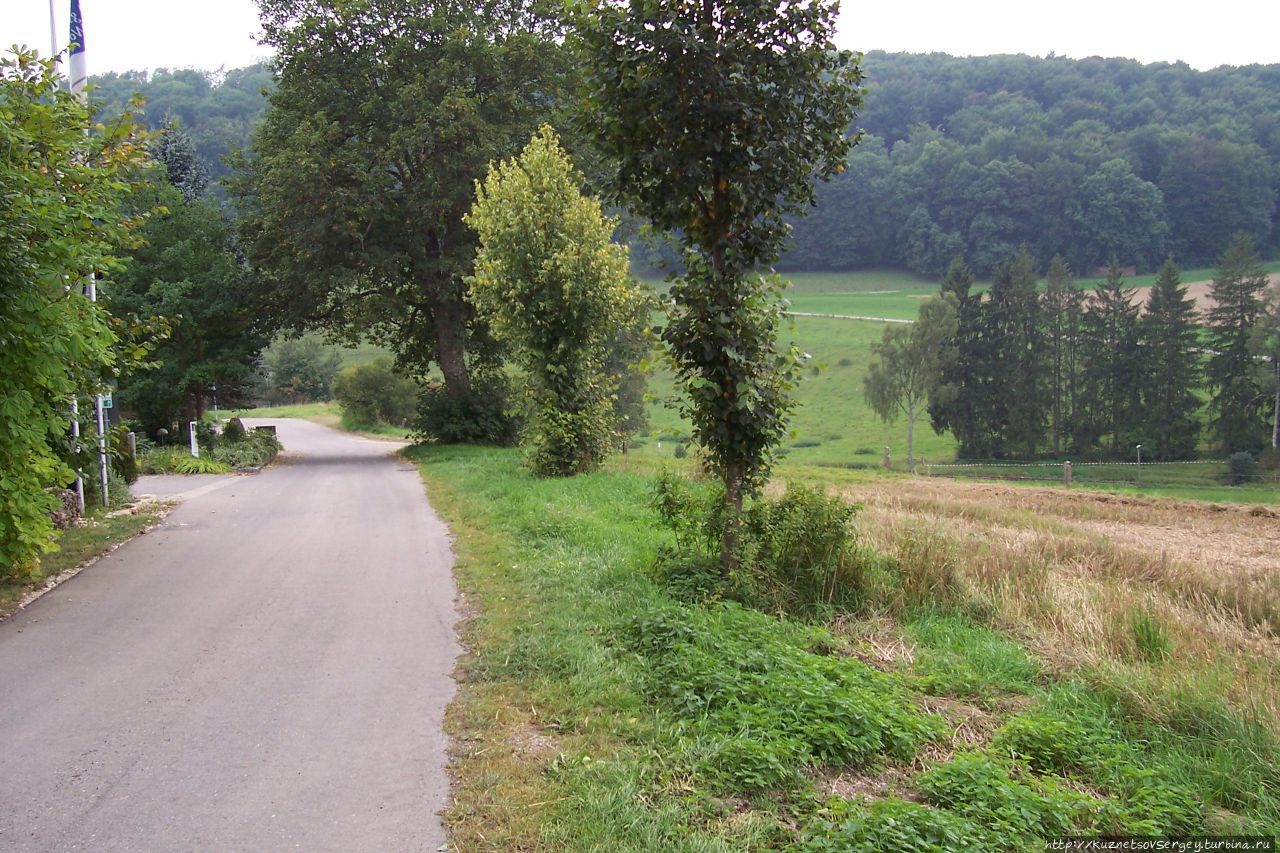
x: 234, y: 449
x: 1015, y: 665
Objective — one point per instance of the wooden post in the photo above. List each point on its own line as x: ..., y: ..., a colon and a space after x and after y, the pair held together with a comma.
x: 885, y: 461
x: 1066, y: 473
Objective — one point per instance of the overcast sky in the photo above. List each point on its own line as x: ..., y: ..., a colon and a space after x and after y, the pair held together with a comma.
x: 135, y: 34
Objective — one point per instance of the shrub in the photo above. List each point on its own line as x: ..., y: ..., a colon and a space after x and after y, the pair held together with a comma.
x: 485, y: 418
x: 797, y: 553
x: 1241, y: 468
x: 234, y: 430
x: 374, y: 393
x: 254, y: 450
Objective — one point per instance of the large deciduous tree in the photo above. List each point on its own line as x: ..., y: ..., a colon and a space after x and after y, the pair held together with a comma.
x: 909, y: 371
x: 720, y: 116
x: 385, y: 115
x: 553, y: 286
x: 1237, y: 398
x: 60, y: 221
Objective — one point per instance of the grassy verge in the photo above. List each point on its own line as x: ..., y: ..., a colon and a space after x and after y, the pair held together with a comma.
x: 78, y: 544
x: 600, y: 711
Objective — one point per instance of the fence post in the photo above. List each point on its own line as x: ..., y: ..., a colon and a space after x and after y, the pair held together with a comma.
x: 132, y: 439
x: 885, y: 461
x: 1066, y: 473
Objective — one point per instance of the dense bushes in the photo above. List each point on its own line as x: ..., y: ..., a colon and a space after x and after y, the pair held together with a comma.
x: 372, y: 394
x: 796, y: 555
x: 483, y: 418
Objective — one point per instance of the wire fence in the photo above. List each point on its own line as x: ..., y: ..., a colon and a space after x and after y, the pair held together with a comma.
x: 1200, y: 473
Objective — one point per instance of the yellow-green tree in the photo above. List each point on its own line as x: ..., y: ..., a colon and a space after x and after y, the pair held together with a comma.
x: 556, y: 290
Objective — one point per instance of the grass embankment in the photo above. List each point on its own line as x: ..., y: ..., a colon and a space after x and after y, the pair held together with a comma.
x: 95, y: 536
x: 1060, y: 678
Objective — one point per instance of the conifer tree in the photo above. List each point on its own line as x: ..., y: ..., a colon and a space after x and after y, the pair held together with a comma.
x: 1063, y: 306
x: 1171, y: 368
x: 1237, y: 398
x: 1113, y: 365
x: 1014, y: 386
x: 954, y: 404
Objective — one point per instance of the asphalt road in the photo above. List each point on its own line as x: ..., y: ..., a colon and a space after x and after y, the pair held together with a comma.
x: 266, y: 671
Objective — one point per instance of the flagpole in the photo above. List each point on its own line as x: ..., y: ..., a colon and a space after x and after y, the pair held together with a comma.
x: 80, y: 79
x: 53, y: 34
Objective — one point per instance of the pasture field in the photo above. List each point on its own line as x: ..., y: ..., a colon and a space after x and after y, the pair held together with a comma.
x: 1024, y: 663
x: 832, y: 424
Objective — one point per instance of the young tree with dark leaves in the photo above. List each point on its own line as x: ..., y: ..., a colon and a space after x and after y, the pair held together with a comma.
x: 720, y: 116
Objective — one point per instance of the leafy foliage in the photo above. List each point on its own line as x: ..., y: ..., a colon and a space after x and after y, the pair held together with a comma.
x: 375, y: 393
x: 719, y: 117
x: 798, y: 553
x: 911, y: 361
x: 301, y: 369
x: 385, y: 115
x: 555, y: 289
x: 59, y: 223
x: 187, y: 277
x: 1084, y: 159
x: 1170, y: 342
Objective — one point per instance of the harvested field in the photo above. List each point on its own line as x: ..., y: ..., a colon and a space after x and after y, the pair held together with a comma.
x: 1149, y: 588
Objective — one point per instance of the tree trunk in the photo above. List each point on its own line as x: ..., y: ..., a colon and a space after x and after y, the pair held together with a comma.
x: 911, y: 438
x: 733, y: 489
x: 1275, y: 420
x: 450, y: 316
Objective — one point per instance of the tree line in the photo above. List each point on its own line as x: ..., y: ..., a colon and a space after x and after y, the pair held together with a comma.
x: 1020, y: 372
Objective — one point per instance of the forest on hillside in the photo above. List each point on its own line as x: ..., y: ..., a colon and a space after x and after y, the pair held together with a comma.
x: 1089, y: 159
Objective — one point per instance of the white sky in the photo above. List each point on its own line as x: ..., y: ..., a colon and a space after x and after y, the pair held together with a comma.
x: 136, y: 34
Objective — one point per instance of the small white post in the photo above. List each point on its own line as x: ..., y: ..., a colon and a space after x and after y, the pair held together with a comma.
x: 195, y: 447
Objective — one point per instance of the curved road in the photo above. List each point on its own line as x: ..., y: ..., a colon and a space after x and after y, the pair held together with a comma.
x: 268, y: 670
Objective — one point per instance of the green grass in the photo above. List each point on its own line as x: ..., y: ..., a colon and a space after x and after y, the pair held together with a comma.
x: 598, y: 712
x: 832, y: 424
x: 76, y: 545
